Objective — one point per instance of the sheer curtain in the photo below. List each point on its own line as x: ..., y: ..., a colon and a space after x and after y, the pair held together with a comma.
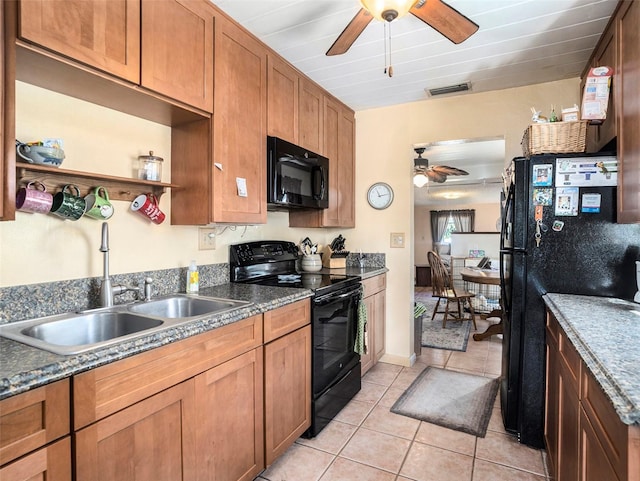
x: 464, y: 220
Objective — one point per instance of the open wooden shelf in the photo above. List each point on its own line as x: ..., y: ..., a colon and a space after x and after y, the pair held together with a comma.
x: 119, y: 188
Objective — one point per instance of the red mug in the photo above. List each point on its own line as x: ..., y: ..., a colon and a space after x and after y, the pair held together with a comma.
x: 147, y: 206
x: 34, y: 199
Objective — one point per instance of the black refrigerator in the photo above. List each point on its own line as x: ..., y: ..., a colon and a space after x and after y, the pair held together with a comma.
x: 558, y: 235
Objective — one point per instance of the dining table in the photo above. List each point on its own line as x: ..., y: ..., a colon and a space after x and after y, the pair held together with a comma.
x: 487, y: 277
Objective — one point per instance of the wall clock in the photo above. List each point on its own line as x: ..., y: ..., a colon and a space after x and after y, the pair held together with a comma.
x: 380, y: 195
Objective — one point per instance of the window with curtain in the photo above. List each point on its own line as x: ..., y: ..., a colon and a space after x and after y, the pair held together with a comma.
x: 444, y: 222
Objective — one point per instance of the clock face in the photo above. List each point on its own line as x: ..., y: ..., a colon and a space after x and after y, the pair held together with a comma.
x: 380, y: 195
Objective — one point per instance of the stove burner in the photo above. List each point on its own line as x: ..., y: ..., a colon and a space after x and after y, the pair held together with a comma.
x: 288, y: 278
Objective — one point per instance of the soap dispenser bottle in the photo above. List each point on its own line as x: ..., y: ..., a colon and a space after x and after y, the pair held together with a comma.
x: 193, y: 281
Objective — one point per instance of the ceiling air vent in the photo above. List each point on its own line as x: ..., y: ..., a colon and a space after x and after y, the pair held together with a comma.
x: 449, y: 89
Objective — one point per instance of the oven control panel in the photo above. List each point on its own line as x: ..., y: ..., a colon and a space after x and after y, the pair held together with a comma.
x: 261, y: 252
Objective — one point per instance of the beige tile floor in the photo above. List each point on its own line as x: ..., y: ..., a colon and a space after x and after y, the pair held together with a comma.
x: 366, y: 442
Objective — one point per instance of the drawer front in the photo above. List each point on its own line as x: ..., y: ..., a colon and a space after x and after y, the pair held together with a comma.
x: 51, y: 463
x: 32, y: 419
x: 283, y: 320
x: 374, y: 284
x: 107, y: 389
x: 611, y: 432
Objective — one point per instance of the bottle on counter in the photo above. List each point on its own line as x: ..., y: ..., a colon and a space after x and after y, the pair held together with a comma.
x: 193, y: 279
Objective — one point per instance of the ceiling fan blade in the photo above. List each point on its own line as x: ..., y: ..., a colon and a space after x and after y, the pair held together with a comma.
x: 435, y: 176
x: 446, y: 170
x: 350, y: 33
x: 445, y: 19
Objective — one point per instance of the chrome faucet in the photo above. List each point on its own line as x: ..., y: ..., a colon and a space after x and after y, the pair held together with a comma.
x: 107, y: 289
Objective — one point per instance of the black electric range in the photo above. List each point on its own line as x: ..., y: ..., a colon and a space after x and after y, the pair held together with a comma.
x: 335, y: 365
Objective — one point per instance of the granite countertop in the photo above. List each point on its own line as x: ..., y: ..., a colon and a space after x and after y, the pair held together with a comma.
x: 24, y: 367
x: 599, y: 327
x: 364, y: 272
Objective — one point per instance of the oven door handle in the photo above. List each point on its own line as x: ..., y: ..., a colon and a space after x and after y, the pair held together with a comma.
x: 331, y: 297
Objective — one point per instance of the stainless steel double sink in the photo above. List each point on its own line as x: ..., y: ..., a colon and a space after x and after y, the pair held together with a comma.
x: 74, y: 333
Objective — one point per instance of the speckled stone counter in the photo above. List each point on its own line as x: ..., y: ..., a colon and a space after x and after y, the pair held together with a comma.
x: 23, y: 367
x: 363, y: 272
x: 606, y: 334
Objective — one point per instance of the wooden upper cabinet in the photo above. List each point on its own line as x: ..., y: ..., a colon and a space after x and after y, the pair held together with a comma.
x: 282, y: 100
x: 310, y: 116
x: 177, y: 50
x: 605, y: 55
x: 628, y: 84
x: 239, y: 126
x: 338, y: 133
x: 346, y: 168
x: 104, y: 35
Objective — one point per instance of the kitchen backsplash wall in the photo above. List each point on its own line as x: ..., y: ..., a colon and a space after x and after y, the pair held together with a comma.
x: 50, y: 298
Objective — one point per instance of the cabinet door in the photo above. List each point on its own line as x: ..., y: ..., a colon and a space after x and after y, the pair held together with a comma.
x: 310, y: 116
x: 239, y: 126
x: 606, y: 54
x: 51, y: 463
x: 346, y: 167
x: 594, y: 464
x: 287, y: 391
x: 628, y: 24
x: 104, y: 35
x: 153, y: 440
x: 568, y: 424
x: 551, y: 403
x: 177, y: 50
x: 230, y: 428
x: 331, y: 110
x: 282, y: 106
x: 367, y: 360
x: 379, y: 325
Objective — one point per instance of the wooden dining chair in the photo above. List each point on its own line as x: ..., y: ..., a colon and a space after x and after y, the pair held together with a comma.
x: 444, y: 290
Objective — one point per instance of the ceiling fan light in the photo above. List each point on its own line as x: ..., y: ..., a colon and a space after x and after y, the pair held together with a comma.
x: 420, y: 180
x: 384, y: 9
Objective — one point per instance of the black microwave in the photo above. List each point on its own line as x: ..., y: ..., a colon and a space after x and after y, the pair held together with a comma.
x: 296, y: 177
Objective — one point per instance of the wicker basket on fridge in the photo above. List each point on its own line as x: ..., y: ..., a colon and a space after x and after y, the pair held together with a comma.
x: 555, y: 138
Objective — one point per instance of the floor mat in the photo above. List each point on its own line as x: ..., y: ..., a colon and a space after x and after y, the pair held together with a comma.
x: 451, y: 399
x: 453, y: 337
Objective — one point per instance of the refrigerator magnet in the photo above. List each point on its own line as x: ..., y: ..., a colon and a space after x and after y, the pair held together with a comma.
x: 557, y: 225
x: 567, y: 201
x: 542, y: 175
x: 591, y: 203
x: 542, y: 196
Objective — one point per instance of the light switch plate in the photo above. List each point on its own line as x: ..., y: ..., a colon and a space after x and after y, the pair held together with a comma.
x: 397, y: 239
x: 206, y: 238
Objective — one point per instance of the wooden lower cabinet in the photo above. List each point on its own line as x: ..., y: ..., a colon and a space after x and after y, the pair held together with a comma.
x: 375, y: 303
x: 287, y: 398
x: 51, y: 463
x: 584, y: 436
x: 151, y: 440
x: 230, y: 421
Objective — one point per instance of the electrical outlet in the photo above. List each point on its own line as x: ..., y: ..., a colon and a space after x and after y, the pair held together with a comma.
x: 206, y: 238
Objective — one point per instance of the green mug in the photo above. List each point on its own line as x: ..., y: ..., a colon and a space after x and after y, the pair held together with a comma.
x: 68, y: 205
x: 98, y: 205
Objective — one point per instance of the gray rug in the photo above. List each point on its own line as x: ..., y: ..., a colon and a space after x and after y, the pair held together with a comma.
x: 451, y: 399
x: 453, y: 337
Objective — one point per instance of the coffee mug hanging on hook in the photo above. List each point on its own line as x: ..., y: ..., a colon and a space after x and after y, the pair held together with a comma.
x: 147, y: 206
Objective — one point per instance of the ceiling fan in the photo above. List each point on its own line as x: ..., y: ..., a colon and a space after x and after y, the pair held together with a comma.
x: 423, y: 172
x: 435, y: 13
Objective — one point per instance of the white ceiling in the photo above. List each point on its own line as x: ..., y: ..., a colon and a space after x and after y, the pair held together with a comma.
x: 519, y: 42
